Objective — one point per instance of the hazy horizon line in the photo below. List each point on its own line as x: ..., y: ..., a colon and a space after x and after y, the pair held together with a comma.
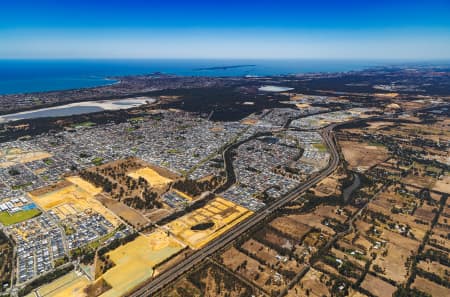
x: 226, y: 58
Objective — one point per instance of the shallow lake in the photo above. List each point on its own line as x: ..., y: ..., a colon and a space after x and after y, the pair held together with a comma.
x: 76, y: 109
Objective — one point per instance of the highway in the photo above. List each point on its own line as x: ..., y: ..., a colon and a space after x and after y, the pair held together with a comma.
x: 170, y: 275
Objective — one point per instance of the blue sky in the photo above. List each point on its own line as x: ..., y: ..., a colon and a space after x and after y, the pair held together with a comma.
x: 226, y: 29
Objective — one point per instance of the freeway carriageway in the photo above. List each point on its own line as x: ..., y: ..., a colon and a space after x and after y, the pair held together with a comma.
x: 170, y: 275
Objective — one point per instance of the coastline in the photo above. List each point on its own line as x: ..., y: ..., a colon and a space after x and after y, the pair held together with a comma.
x: 87, y: 84
x: 63, y: 75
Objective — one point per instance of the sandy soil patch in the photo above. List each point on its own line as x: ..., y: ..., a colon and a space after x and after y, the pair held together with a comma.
x: 125, y: 212
x: 290, y: 227
x: 379, y: 125
x: 386, y: 95
x: 353, y: 293
x: 219, y: 213
x: 269, y: 236
x: 69, y: 285
x: 363, y: 243
x: 333, y: 212
x: 68, y: 198
x: 439, y: 237
x: 435, y: 267
x: 361, y: 156
x: 253, y: 270
x: 419, y: 181
x: 138, y: 258
x: 430, y: 287
x: 151, y: 176
x: 314, y: 282
x: 215, y: 282
x: 132, y: 192
x: 314, y: 221
x: 399, y: 248
x: 327, y: 187
x: 249, y: 121
x: 271, y: 257
x: 443, y: 185
x: 362, y: 226
x: 377, y: 286
x: 14, y: 156
x: 84, y: 185
x: 408, y: 105
x: 343, y: 256
x: 155, y: 215
x: 333, y: 271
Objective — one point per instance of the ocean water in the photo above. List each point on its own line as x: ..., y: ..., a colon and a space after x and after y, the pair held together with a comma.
x: 25, y: 76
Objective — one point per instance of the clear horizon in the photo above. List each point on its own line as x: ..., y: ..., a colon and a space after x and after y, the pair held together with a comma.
x: 347, y: 30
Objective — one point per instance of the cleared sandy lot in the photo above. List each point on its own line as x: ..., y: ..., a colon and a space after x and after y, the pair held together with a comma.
x: 69, y: 285
x: 14, y: 156
x: 443, y: 185
x: 377, y: 286
x: 219, y: 213
x: 151, y: 176
x: 70, y: 197
x: 430, y: 287
x: 136, y: 260
x: 127, y: 213
x: 361, y: 156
